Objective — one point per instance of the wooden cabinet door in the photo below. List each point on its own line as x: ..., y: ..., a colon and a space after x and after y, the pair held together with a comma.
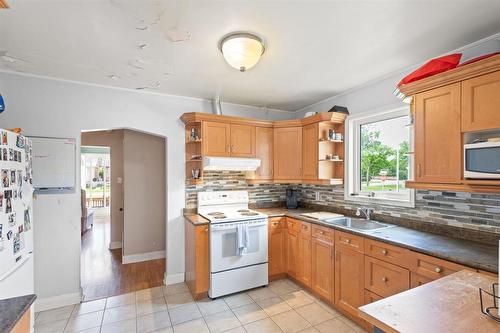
x: 292, y: 245
x: 196, y: 263
x: 481, y: 103
x: 310, y: 141
x: 276, y: 246
x: 349, y: 279
x: 305, y: 258
x: 323, y: 268
x: 438, y: 139
x: 242, y: 140
x: 216, y: 139
x: 264, y: 150
x: 288, y: 153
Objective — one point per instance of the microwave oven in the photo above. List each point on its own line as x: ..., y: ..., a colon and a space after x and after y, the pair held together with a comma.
x: 482, y: 160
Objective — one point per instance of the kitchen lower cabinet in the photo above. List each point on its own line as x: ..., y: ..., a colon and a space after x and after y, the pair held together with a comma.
x: 304, y: 261
x: 292, y: 246
x: 323, y: 263
x: 349, y: 279
x: 277, y: 246
x: 385, y: 279
x: 418, y: 280
x: 371, y: 297
x: 197, y: 260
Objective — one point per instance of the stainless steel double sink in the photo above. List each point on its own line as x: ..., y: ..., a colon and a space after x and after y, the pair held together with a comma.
x: 356, y: 224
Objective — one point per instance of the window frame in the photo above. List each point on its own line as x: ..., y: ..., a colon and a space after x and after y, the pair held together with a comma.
x: 353, y: 159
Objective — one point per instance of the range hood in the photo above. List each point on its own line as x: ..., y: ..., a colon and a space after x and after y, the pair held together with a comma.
x: 230, y: 163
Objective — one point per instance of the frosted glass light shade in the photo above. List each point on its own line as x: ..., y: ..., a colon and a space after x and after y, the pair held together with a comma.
x: 241, y: 50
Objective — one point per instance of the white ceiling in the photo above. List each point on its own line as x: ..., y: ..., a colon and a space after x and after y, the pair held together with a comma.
x: 315, y: 49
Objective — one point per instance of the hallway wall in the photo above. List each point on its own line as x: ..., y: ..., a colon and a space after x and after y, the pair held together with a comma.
x: 144, y: 196
x: 114, y: 140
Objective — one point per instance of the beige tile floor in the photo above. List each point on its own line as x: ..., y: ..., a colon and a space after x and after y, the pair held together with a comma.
x: 281, y: 307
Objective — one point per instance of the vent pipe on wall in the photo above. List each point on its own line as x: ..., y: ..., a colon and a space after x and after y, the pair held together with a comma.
x: 216, y: 107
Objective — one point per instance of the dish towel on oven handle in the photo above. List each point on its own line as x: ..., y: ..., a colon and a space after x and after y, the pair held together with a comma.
x: 242, y: 239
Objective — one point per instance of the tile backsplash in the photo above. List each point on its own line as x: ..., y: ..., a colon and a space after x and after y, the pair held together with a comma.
x: 458, y: 209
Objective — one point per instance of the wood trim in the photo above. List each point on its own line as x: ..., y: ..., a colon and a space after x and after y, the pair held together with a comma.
x: 3, y: 4
x: 334, y: 117
x: 477, y: 68
x: 453, y: 187
x: 23, y: 325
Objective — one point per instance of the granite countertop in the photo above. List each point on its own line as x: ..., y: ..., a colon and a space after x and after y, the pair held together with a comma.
x: 468, y: 253
x: 445, y: 305
x: 472, y: 254
x: 12, y: 309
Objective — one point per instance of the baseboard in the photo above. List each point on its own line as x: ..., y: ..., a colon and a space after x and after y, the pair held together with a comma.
x: 173, y: 278
x: 131, y: 258
x: 115, y: 245
x: 47, y: 303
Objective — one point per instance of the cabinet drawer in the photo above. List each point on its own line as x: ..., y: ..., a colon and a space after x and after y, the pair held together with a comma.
x: 418, y: 280
x: 431, y: 267
x: 305, y: 228
x: 276, y: 224
x: 385, y: 279
x: 347, y: 240
x: 371, y: 297
x: 293, y: 224
x: 387, y: 252
x: 323, y: 233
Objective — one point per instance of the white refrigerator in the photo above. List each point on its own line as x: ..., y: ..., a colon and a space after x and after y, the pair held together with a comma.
x: 16, y: 215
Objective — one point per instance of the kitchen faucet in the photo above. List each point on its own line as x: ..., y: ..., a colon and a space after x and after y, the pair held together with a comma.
x: 365, y: 210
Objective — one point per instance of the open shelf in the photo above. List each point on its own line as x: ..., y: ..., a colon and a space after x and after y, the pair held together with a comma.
x: 325, y: 160
x: 332, y: 141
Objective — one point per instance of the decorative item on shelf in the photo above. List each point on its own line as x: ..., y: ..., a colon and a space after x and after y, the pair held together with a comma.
x: 338, y: 137
x: 196, y: 158
x: 331, y: 134
x: 195, y: 173
x: 328, y: 156
x: 193, y: 136
x: 340, y: 109
x: 335, y: 157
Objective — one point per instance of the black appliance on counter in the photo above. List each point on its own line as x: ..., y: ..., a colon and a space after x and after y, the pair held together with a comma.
x: 291, y: 198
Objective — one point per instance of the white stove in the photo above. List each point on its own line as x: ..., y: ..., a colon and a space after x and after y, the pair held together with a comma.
x: 226, y: 206
x: 238, y: 242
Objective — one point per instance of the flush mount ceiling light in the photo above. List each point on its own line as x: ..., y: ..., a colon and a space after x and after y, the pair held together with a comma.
x: 242, y: 50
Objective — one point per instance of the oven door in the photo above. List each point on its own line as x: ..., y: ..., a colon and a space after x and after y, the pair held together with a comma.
x: 223, y: 251
x: 482, y: 160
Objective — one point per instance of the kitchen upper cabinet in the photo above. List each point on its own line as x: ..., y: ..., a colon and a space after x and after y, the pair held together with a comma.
x: 438, y: 139
x: 349, y: 278
x: 305, y: 260
x: 323, y: 263
x: 264, y: 150
x: 481, y: 103
x: 288, y: 153
x: 242, y: 140
x: 277, y: 246
x: 216, y: 139
x: 310, y: 151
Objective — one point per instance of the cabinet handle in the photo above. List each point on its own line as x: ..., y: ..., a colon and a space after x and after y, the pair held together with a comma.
x: 322, y: 232
x: 275, y: 223
x: 304, y: 227
x: 206, y: 229
x: 348, y: 241
x: 384, y: 279
x: 384, y: 252
x: 419, y: 172
x: 438, y: 269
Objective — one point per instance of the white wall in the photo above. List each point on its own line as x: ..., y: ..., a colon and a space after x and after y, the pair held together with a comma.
x: 378, y: 95
x: 46, y: 107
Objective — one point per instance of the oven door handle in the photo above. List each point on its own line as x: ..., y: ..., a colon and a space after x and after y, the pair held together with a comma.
x: 222, y: 227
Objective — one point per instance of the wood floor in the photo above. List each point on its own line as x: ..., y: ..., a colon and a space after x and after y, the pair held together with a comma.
x: 102, y: 272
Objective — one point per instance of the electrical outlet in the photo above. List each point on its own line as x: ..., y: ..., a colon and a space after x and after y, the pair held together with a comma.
x: 316, y: 196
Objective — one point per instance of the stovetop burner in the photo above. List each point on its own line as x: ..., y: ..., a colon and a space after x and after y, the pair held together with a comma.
x: 218, y: 217
x: 243, y: 210
x: 249, y: 213
x: 215, y: 213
